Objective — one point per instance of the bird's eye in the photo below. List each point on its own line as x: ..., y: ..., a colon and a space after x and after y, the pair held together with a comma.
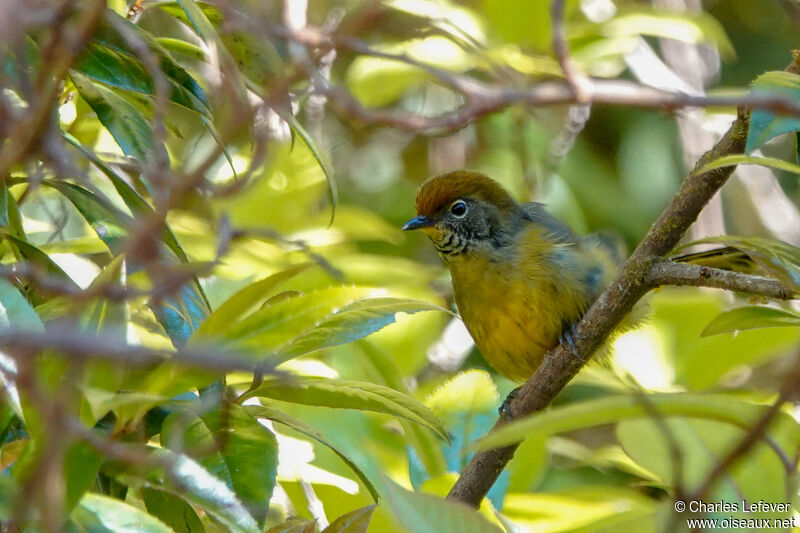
x: 458, y: 208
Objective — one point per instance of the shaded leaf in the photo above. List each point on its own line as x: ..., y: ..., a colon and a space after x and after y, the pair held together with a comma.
x: 765, y: 124
x: 121, y: 118
x: 262, y: 411
x: 171, y: 510
x: 350, y: 395
x: 192, y: 482
x: 425, y: 513
x: 353, y: 522
x: 751, y: 317
x: 248, y: 458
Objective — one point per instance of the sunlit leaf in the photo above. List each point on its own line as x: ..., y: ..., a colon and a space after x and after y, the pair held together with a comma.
x: 353, y: 522
x: 764, y: 123
x: 245, y: 300
x: 425, y: 513
x: 741, y: 159
x: 616, y: 408
x: 97, y: 514
x: 751, y: 317
x: 425, y: 446
x: 355, y: 321
x: 349, y: 395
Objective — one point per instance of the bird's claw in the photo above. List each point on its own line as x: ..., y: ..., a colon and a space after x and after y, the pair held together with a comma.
x: 567, y: 339
x: 505, y: 408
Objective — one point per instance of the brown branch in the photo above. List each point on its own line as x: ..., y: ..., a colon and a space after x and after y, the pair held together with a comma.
x: 666, y: 272
x: 561, y: 364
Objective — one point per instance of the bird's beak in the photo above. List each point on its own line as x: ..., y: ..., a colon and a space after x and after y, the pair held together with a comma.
x: 419, y: 221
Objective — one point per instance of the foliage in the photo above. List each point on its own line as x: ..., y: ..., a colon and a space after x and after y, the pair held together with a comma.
x: 210, y: 321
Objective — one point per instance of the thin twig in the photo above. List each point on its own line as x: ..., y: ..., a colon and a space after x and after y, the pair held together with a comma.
x: 666, y: 272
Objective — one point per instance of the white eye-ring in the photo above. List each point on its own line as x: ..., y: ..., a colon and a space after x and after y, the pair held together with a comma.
x: 458, y: 209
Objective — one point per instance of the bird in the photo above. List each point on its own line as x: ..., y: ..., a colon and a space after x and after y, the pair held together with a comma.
x: 521, y: 278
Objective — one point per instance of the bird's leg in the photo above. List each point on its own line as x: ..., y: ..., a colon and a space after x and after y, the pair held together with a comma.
x: 567, y: 338
x: 505, y: 408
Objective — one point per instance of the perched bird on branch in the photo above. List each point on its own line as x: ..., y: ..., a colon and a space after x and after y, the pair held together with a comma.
x: 521, y: 278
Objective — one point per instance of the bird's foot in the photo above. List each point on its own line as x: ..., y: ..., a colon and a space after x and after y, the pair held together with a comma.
x: 567, y: 338
x: 505, y: 408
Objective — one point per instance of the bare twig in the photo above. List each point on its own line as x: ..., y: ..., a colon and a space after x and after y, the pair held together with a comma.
x: 666, y: 272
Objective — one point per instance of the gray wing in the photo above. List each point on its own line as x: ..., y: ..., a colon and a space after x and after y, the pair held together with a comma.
x: 536, y: 213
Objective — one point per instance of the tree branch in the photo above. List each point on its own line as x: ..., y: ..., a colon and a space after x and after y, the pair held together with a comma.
x: 667, y: 272
x: 561, y: 364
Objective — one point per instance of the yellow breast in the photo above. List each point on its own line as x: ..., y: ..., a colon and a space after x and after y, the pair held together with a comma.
x: 515, y: 310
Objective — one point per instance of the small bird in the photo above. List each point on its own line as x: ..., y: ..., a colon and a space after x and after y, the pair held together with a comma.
x: 521, y: 278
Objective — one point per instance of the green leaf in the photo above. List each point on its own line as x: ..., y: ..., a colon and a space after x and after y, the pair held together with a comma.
x: 276, y: 326
x: 616, y: 408
x: 353, y: 522
x: 9, y: 214
x: 109, y: 59
x: 262, y: 411
x: 248, y: 458
x: 121, y: 118
x: 764, y: 124
x: 382, y: 369
x: 194, y: 483
x: 34, y: 255
x: 741, y: 159
x: 171, y: 510
x: 777, y: 258
x: 694, y: 28
x: 100, y: 514
x: 132, y: 199
x: 245, y: 300
x: 751, y: 317
x: 15, y: 311
x: 295, y: 525
x: 110, y: 224
x: 349, y: 395
x: 355, y: 321
x: 425, y: 513
x: 182, y: 47
x: 700, y: 444
x: 81, y: 464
